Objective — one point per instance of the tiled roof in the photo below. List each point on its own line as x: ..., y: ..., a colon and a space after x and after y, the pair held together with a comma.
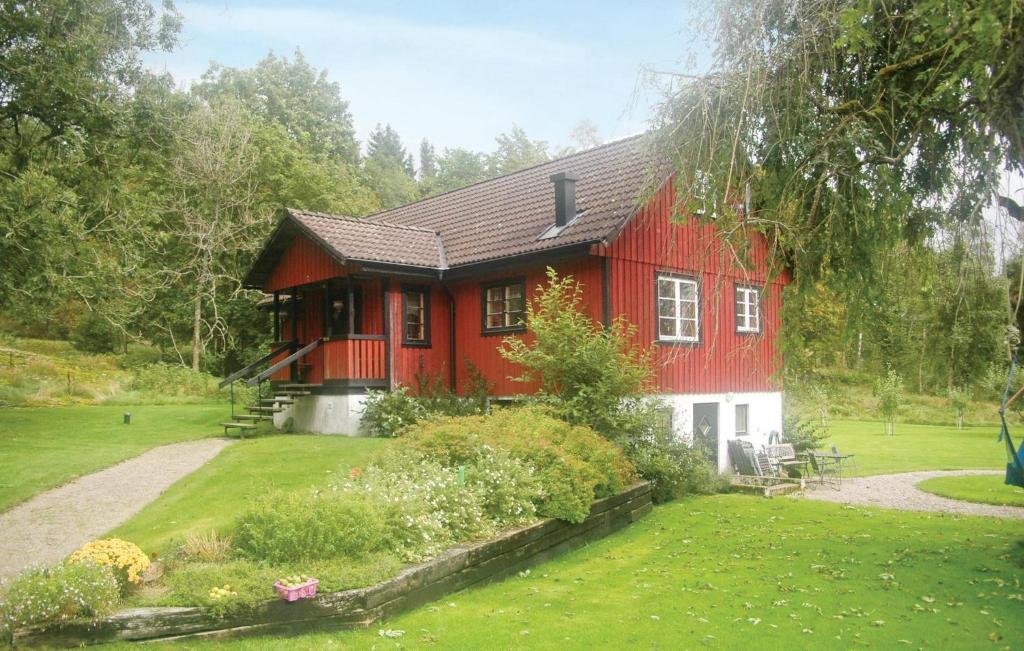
x: 364, y: 240
x: 505, y: 216
x: 498, y: 218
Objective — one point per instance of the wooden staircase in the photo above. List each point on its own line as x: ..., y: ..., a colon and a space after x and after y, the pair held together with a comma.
x: 264, y: 407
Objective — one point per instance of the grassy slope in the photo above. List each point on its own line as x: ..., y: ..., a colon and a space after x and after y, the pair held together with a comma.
x: 916, y: 447
x: 986, y: 489
x: 45, y: 447
x: 731, y: 571
x: 210, y: 497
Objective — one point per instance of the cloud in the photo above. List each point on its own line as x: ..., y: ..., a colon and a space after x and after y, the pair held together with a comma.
x: 305, y: 25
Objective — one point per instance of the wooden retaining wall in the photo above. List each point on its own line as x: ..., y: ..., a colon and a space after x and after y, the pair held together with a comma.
x: 455, y: 569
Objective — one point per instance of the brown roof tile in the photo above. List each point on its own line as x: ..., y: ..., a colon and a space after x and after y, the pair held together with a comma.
x: 506, y: 216
x: 364, y: 240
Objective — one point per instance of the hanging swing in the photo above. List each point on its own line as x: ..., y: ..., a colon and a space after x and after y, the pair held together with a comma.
x: 1014, y: 461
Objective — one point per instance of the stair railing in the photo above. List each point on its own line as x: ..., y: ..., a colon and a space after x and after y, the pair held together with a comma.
x: 230, y: 380
x: 297, y: 355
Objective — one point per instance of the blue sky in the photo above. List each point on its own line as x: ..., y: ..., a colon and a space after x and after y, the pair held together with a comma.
x: 457, y: 73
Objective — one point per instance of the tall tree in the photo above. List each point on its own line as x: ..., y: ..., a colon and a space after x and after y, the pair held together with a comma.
x: 428, y: 161
x: 459, y: 167
x: 213, y: 210
x: 295, y: 95
x: 516, y: 151
x: 385, y: 148
x: 857, y: 123
x: 68, y: 72
x: 583, y: 136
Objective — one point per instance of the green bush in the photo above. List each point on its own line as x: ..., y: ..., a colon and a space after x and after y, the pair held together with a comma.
x: 94, y: 334
x: 573, y: 464
x: 173, y: 380
x: 139, y: 355
x: 389, y: 413
x: 282, y: 527
x: 424, y: 507
x: 804, y: 435
x: 507, y: 488
x: 57, y: 595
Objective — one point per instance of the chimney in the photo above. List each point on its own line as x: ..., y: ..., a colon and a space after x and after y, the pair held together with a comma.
x: 565, y: 197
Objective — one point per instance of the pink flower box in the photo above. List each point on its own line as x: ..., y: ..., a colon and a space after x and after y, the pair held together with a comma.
x: 303, y: 591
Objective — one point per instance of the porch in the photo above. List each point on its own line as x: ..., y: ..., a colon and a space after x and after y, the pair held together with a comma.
x: 331, y: 333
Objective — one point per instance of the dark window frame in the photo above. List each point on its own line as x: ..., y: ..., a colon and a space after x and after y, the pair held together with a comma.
x: 424, y: 291
x: 504, y: 282
x: 699, y: 341
x: 760, y: 309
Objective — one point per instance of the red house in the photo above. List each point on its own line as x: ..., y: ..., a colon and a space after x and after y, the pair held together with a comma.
x: 364, y: 304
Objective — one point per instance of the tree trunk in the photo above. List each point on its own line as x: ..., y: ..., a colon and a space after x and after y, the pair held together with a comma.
x: 860, y: 347
x: 196, y: 330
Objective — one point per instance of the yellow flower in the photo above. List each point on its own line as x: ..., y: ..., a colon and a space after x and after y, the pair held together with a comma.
x: 118, y: 554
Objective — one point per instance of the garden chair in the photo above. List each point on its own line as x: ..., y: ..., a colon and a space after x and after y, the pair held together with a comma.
x: 783, y: 457
x: 829, y: 471
x: 847, y: 458
x: 754, y: 470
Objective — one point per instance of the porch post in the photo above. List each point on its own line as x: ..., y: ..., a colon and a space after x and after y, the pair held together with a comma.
x: 328, y: 330
x: 293, y: 369
x: 351, y: 309
x: 277, y: 317
x: 388, y: 370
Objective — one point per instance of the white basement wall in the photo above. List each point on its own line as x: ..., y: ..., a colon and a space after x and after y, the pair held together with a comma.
x: 764, y: 416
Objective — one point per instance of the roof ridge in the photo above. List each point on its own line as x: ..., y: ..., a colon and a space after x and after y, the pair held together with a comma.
x: 363, y: 219
x: 507, y: 174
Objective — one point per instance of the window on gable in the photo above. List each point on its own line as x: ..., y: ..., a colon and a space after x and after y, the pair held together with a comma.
x: 678, y: 309
x: 504, y: 306
x: 748, y: 309
x: 742, y: 413
x: 416, y: 316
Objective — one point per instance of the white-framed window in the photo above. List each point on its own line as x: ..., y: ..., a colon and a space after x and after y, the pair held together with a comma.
x: 678, y: 308
x: 748, y: 309
x: 742, y: 414
x: 504, y: 305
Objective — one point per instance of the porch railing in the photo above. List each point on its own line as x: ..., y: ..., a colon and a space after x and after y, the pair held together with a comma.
x: 356, y: 357
x: 294, y: 357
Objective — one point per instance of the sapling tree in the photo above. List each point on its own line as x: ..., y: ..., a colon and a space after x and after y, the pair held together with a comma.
x: 889, y: 391
x: 959, y: 399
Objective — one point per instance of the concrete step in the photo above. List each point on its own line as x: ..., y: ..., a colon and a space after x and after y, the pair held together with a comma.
x: 241, y: 426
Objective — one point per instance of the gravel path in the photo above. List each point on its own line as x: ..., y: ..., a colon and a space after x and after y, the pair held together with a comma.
x: 900, y: 492
x: 53, y: 524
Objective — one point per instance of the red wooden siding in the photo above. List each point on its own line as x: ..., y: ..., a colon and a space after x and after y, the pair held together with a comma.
x: 433, y: 361
x: 723, y: 361
x: 482, y: 350
x: 302, y: 263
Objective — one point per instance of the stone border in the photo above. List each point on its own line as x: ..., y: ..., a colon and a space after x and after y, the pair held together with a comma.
x: 456, y: 569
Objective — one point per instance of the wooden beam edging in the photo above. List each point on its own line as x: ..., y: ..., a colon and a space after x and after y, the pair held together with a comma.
x: 458, y: 568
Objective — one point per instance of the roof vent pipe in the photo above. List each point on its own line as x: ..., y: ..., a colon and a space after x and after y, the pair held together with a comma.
x: 565, y: 197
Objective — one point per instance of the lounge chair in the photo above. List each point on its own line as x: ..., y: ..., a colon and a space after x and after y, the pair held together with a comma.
x: 828, y: 470
x: 754, y: 470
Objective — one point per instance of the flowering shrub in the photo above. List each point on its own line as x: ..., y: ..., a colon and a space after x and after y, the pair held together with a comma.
x: 573, y: 464
x: 388, y: 413
x: 56, y: 595
x: 423, y: 504
x: 306, y: 525
x: 508, y: 489
x: 126, y: 559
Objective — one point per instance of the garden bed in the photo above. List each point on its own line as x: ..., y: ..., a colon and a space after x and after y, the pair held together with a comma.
x: 458, y: 568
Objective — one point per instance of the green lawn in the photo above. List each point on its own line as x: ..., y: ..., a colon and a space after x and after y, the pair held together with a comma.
x: 211, y: 497
x: 41, y: 448
x: 986, y: 489
x: 915, y: 447
x: 735, y: 571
